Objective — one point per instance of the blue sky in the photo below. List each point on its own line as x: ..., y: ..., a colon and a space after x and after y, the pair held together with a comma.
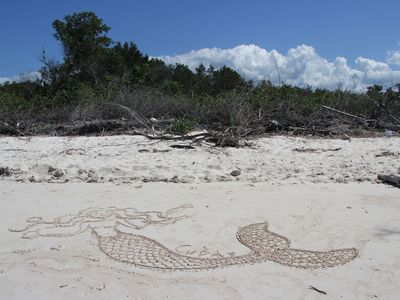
x: 350, y: 29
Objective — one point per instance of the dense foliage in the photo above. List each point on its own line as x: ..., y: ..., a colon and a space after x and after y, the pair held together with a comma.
x: 96, y: 72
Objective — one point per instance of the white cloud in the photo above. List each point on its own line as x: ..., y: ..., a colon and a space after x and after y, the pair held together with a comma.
x: 300, y: 66
x: 5, y: 79
x: 393, y: 57
x: 32, y: 76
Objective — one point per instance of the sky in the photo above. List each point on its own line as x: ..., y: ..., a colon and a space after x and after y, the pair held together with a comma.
x: 327, y: 43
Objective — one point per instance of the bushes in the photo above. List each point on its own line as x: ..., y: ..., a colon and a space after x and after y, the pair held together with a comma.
x: 257, y: 109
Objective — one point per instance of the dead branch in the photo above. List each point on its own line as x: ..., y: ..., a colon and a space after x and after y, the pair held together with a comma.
x: 394, y: 118
x: 343, y: 113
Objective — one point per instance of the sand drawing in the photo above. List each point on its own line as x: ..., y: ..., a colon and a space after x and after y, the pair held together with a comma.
x: 141, y: 251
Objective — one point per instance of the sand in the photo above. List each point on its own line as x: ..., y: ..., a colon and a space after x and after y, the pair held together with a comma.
x: 319, y: 197
x: 124, y: 159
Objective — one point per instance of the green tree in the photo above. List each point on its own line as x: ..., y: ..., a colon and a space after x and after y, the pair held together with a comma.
x: 184, y: 76
x: 126, y: 59
x: 226, y: 79
x: 157, y: 72
x: 202, y: 84
x: 84, y: 43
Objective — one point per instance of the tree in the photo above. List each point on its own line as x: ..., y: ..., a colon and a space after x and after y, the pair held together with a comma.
x: 84, y: 43
x: 226, y: 79
x: 157, y: 72
x: 202, y: 81
x: 125, y: 59
x: 184, y: 76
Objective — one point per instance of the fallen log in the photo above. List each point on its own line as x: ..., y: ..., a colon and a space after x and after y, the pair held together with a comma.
x: 390, y: 179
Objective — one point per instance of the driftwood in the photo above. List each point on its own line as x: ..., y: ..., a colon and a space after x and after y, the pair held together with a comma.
x: 218, y: 139
x: 187, y: 147
x: 101, y: 127
x: 390, y: 179
x: 172, y: 137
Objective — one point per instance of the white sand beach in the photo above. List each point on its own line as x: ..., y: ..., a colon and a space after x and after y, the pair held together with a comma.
x: 123, y: 217
x: 127, y: 159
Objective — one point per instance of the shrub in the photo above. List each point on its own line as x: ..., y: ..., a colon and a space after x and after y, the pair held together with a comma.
x: 183, y: 126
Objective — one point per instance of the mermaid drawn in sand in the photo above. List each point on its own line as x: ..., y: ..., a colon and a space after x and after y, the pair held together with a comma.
x: 141, y: 251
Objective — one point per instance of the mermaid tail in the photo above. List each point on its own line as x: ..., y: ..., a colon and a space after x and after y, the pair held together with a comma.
x: 264, y: 245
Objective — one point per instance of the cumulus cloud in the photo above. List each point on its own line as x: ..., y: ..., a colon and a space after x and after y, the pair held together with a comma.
x: 5, y: 79
x: 393, y: 57
x: 32, y: 76
x: 300, y: 66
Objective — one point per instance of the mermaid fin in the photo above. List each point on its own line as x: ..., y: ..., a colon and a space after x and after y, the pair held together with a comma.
x: 313, y: 259
x: 259, y: 239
